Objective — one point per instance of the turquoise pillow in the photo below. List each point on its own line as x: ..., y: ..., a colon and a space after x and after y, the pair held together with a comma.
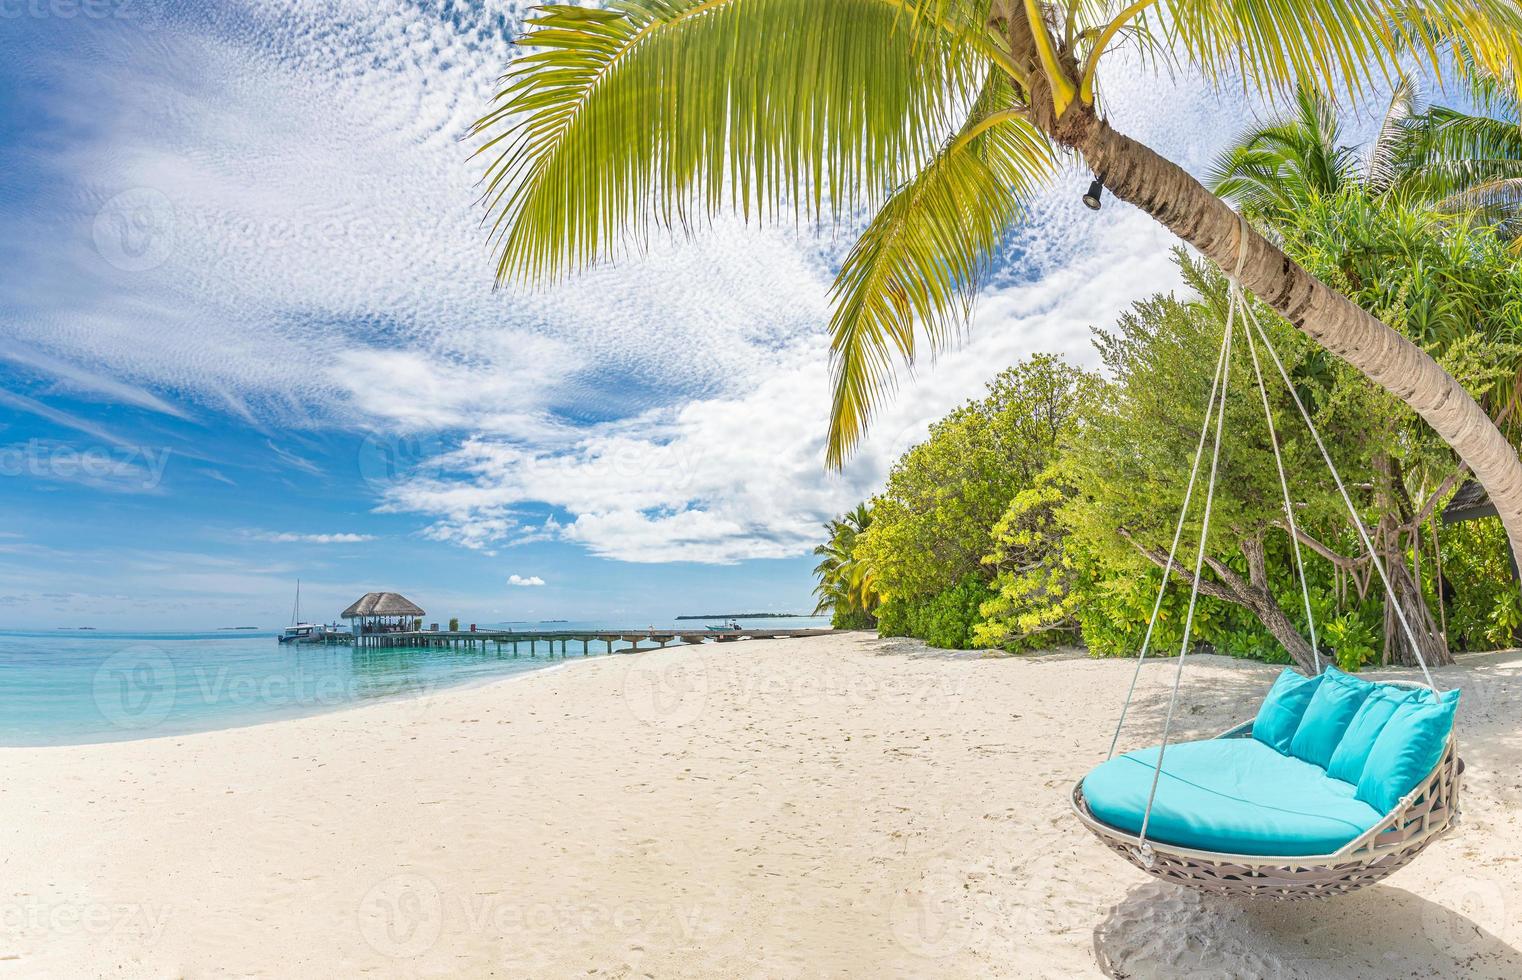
x: 1280, y: 714
x: 1410, y: 745
x: 1327, y: 717
x: 1348, y: 758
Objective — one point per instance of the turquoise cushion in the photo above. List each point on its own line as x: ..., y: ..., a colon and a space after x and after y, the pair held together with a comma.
x: 1282, y: 709
x: 1230, y: 795
x: 1348, y: 758
x: 1407, y: 749
x: 1327, y: 717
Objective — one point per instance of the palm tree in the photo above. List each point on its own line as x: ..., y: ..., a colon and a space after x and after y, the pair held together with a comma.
x: 847, y: 586
x: 942, y: 117
x: 1274, y: 170
x: 1452, y: 161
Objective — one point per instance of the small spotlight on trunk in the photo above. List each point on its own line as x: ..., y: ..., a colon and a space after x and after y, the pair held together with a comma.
x: 1096, y: 190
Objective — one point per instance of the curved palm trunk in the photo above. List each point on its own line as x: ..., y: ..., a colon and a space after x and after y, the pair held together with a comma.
x: 1135, y: 173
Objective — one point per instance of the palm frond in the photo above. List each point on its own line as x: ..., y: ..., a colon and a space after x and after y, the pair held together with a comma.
x: 1468, y: 164
x: 1339, y: 45
x: 1393, y: 140
x: 672, y: 110
x: 1280, y: 166
x: 919, y: 264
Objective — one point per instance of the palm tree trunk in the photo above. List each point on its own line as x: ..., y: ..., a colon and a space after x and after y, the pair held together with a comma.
x: 1135, y: 173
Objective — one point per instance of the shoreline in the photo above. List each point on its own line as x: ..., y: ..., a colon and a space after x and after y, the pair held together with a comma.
x: 829, y: 806
x: 465, y: 684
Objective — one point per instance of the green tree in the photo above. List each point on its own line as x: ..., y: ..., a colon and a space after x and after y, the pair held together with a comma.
x: 847, y: 588
x: 1415, y: 236
x: 934, y: 521
x: 1133, y: 464
x: 941, y: 116
x: 1453, y: 287
x: 1039, y: 579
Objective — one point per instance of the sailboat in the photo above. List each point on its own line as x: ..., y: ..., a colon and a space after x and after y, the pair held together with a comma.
x: 299, y: 632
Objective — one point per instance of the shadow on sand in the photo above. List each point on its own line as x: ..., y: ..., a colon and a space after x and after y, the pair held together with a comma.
x: 1163, y: 930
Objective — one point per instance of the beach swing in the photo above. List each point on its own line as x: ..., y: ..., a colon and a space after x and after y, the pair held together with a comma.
x: 1334, y: 785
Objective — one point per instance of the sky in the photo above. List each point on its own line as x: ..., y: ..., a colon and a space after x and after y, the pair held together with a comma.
x: 248, y: 334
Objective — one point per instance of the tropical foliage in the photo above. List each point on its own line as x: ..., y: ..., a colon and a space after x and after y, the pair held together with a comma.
x: 940, y: 118
x: 935, y: 521
x: 847, y: 589
x: 1075, y: 554
x: 1441, y: 160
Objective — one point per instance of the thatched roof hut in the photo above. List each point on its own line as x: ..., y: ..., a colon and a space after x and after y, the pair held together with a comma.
x: 383, y: 612
x: 383, y: 604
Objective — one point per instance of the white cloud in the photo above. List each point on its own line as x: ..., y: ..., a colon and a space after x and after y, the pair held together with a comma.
x: 322, y: 264
x: 309, y: 204
x: 292, y: 537
x: 529, y: 582
x: 730, y: 478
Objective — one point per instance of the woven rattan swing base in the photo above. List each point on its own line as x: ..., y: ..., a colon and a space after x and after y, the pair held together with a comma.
x: 1421, y: 817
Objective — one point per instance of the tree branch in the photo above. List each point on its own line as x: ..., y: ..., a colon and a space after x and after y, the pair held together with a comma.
x: 1449, y: 483
x: 1213, y: 589
x: 1341, y: 561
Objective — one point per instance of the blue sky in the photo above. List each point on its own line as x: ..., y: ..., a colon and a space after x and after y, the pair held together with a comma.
x: 247, y: 334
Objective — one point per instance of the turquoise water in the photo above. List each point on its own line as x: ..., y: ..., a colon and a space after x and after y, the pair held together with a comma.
x: 59, y: 688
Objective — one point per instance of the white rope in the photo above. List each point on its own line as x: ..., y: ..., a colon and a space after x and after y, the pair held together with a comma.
x: 1400, y: 613
x: 1289, y: 510
x: 1194, y: 590
x: 1178, y: 531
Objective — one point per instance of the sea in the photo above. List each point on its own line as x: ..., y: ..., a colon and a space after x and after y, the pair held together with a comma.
x: 67, y: 687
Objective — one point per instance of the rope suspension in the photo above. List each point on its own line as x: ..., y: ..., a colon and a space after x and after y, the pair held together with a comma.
x: 1194, y: 588
x: 1363, y: 532
x: 1178, y: 531
x: 1215, y: 412
x: 1289, y: 507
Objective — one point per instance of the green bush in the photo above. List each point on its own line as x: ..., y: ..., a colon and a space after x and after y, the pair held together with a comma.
x: 945, y: 619
x: 1480, y: 585
x: 844, y: 618
x: 1352, y: 639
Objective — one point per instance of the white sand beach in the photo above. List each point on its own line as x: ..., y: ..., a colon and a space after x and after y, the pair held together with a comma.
x: 823, y: 807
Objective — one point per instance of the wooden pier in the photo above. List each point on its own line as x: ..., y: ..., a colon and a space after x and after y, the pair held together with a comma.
x: 529, y: 642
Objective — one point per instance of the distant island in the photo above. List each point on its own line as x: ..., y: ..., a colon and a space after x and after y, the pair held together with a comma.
x: 772, y: 615
x: 228, y: 629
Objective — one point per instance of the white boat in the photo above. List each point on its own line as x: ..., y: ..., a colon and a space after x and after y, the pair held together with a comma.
x: 304, y: 633
x: 299, y: 632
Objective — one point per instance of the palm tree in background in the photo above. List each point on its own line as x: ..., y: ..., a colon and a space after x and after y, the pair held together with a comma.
x: 847, y: 586
x: 1454, y: 162
x: 942, y: 117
